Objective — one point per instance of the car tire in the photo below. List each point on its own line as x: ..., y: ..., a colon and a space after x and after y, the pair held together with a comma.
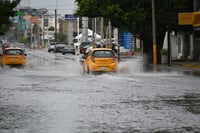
x: 88, y: 71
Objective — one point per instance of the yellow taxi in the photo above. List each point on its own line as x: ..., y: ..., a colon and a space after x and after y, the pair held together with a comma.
x: 100, y: 60
x: 13, y: 56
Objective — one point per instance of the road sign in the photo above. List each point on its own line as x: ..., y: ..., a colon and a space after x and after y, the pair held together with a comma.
x: 70, y: 17
x: 19, y: 13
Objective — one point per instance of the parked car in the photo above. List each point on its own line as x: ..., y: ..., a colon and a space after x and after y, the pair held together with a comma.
x: 68, y: 49
x: 13, y: 56
x: 51, y: 46
x: 85, y: 49
x: 5, y: 45
x: 59, y: 47
x: 100, y: 60
x: 21, y: 45
x: 83, y: 46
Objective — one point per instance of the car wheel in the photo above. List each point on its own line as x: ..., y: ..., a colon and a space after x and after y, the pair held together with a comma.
x: 88, y: 71
x: 63, y: 53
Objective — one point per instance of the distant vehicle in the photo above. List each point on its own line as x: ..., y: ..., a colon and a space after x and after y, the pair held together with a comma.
x: 100, y: 60
x: 51, y: 46
x: 83, y: 46
x: 21, y: 45
x: 5, y: 45
x: 68, y: 49
x: 87, y: 48
x: 59, y: 47
x: 13, y: 56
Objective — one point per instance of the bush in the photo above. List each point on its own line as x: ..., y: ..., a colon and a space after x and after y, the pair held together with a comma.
x: 163, y: 51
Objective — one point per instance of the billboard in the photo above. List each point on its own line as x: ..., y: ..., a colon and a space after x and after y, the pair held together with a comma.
x: 185, y: 18
x: 196, y: 20
x: 127, y: 40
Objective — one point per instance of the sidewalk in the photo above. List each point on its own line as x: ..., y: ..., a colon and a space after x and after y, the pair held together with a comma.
x: 188, y: 66
x: 193, y: 66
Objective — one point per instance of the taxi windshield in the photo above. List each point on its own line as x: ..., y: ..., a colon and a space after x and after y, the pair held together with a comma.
x: 103, y: 54
x: 13, y: 52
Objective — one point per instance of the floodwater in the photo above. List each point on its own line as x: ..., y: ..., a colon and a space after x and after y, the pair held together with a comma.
x: 51, y: 95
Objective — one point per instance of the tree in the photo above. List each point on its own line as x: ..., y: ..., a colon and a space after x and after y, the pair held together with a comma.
x: 51, y: 28
x: 61, y: 37
x: 135, y: 16
x: 6, y: 11
x: 25, y: 39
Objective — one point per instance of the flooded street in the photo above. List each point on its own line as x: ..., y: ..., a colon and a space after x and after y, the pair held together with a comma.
x: 51, y: 95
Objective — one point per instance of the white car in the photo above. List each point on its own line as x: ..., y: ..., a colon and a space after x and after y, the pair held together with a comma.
x: 51, y: 46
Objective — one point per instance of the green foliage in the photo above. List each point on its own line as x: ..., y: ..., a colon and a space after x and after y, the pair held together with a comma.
x: 61, y: 37
x: 6, y: 11
x: 51, y: 28
x: 163, y: 51
x: 135, y: 16
x: 25, y: 39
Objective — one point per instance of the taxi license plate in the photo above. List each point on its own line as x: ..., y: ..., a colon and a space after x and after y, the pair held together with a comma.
x: 103, y: 68
x: 13, y: 58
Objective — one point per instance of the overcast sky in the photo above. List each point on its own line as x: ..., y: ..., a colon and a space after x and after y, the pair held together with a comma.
x: 63, y: 6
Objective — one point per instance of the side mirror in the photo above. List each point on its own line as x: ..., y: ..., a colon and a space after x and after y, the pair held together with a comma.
x: 25, y: 54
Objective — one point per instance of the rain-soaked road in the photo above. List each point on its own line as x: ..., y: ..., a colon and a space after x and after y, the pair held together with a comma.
x: 50, y: 95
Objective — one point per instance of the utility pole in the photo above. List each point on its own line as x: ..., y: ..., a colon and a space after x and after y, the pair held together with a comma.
x: 56, y: 21
x: 102, y: 25
x: 110, y: 34
x: 168, y: 36
x: 84, y: 29
x: 55, y: 25
x: 154, y: 33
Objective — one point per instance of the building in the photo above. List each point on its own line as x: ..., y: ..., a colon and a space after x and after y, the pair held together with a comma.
x: 185, y: 43
x: 196, y: 30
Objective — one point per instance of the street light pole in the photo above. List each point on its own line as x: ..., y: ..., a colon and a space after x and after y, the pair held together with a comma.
x: 56, y: 21
x: 168, y: 37
x: 55, y: 25
x: 154, y: 33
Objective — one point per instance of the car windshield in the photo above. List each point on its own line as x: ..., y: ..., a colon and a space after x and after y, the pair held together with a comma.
x: 103, y: 54
x: 60, y: 45
x: 83, y: 44
x: 13, y: 52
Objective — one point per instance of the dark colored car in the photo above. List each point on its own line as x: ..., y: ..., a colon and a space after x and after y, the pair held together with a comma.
x: 83, y: 46
x: 59, y: 47
x: 68, y: 49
